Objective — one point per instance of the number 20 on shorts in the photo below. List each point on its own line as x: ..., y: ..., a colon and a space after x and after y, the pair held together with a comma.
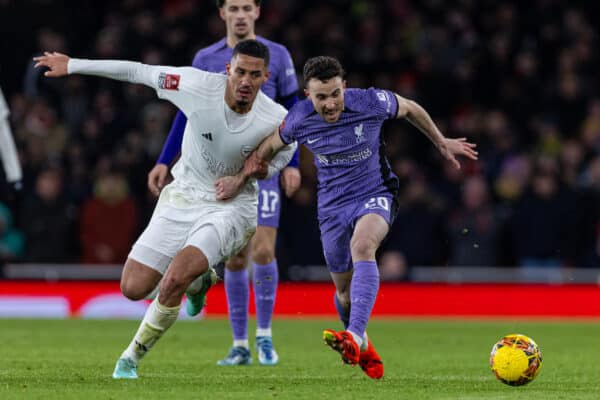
x: 378, y: 202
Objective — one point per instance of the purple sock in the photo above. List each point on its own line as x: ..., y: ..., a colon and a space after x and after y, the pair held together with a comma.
x: 343, y: 312
x: 237, y: 290
x: 265, y: 289
x: 363, y: 292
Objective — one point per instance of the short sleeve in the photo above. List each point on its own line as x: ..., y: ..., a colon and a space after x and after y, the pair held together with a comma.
x: 287, y: 83
x: 383, y: 103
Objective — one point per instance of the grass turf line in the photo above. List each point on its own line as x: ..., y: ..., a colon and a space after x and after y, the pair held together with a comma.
x: 424, y: 359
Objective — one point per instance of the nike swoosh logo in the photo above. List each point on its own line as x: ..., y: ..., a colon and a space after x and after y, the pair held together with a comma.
x: 267, y: 215
x: 313, y: 140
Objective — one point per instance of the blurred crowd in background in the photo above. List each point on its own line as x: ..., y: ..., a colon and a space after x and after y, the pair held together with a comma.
x: 521, y: 79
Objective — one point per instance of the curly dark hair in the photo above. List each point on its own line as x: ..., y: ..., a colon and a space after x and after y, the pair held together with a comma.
x: 221, y: 3
x: 251, y: 47
x: 322, y: 68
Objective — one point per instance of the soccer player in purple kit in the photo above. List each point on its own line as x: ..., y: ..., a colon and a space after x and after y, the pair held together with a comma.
x: 282, y: 86
x: 357, y: 189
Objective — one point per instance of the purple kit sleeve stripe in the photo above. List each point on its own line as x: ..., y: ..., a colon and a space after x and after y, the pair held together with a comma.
x: 172, y: 145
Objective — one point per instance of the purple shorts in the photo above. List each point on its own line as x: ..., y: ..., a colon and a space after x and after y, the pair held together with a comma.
x: 337, y: 228
x: 269, y: 202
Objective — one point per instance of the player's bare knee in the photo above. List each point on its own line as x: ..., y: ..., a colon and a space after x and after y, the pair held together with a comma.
x: 133, y: 291
x: 263, y: 253
x: 236, y: 263
x: 363, y: 248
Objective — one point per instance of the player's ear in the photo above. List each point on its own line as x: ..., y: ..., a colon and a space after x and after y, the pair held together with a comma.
x: 306, y: 92
x: 344, y: 84
x: 222, y: 12
x: 228, y: 68
x: 266, y: 74
x: 257, y: 12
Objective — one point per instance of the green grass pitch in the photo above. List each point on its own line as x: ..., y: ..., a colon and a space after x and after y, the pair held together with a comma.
x: 424, y: 359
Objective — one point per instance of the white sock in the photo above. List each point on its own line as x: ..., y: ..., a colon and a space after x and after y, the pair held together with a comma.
x: 365, y: 343
x: 357, y: 339
x: 241, y: 343
x: 157, y: 320
x: 263, y: 332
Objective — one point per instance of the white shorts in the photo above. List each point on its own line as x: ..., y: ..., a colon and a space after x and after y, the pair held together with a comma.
x: 218, y: 229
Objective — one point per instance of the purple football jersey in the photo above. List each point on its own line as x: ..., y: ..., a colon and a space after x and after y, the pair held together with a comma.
x: 282, y: 82
x: 349, y: 153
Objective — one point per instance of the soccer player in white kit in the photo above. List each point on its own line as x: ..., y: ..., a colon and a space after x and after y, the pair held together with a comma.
x: 8, y: 151
x: 190, y: 232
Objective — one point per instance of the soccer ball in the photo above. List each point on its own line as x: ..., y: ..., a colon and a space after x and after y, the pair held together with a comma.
x: 516, y: 360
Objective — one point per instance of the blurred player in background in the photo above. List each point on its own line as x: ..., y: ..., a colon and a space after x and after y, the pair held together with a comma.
x: 282, y: 86
x: 357, y: 189
x: 8, y: 151
x: 190, y: 231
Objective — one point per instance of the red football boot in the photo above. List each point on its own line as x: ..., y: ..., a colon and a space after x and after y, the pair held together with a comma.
x: 343, y: 343
x: 370, y: 362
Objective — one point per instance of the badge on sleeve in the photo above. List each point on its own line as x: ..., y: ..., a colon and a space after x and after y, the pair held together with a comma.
x: 168, y: 81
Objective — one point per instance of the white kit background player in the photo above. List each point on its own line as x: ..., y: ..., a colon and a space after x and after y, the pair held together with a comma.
x: 190, y: 231
x: 8, y: 152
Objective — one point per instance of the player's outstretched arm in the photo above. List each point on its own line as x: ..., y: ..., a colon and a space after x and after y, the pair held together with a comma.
x: 59, y: 65
x: 177, y: 85
x: 450, y: 148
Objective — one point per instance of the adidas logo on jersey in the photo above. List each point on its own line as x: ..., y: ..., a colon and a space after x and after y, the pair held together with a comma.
x: 207, y: 135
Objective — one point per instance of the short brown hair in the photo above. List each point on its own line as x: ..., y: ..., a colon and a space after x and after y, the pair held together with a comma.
x: 221, y: 3
x: 322, y: 68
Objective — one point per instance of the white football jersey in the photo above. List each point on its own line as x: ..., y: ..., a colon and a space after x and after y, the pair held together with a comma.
x: 211, y: 148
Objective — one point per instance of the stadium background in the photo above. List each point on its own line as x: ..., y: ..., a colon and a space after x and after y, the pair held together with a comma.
x: 519, y: 78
